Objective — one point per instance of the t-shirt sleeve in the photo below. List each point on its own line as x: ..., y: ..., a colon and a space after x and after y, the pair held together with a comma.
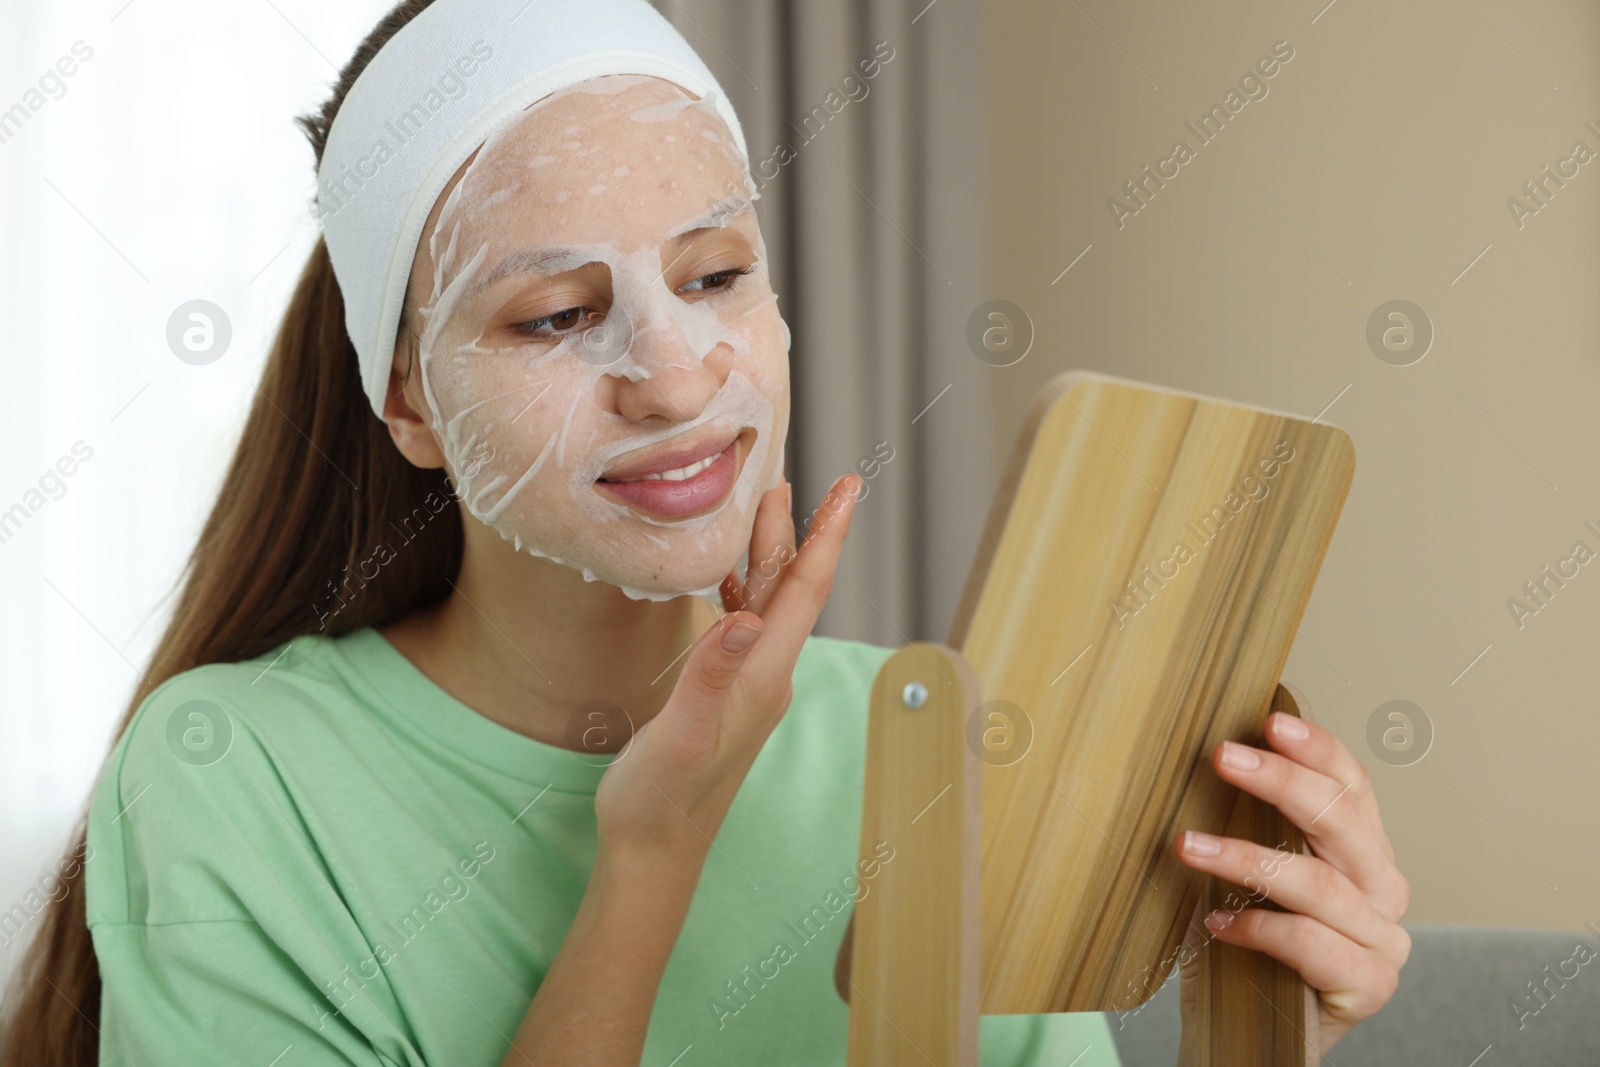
x: 219, y: 924
x: 216, y: 992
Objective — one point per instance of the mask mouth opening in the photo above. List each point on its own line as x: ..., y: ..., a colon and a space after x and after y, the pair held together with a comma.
x: 691, y: 487
x: 670, y: 460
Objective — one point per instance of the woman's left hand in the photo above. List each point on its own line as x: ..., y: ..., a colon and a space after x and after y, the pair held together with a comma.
x: 1343, y: 903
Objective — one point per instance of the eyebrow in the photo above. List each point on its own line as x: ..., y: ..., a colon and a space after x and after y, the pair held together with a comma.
x: 553, y: 260
x: 721, y: 213
x: 557, y: 259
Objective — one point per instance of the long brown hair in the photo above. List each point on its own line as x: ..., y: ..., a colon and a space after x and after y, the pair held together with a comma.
x: 315, y: 486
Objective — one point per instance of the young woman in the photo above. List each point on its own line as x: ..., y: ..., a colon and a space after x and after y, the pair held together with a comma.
x: 448, y: 755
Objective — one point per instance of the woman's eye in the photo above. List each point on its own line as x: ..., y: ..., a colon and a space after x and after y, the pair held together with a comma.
x: 564, y: 322
x: 553, y: 325
x: 720, y: 280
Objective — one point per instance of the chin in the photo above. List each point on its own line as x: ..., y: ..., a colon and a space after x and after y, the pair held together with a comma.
x: 664, y: 576
x: 655, y: 590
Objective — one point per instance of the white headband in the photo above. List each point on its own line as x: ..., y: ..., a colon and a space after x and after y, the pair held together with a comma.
x: 435, y: 92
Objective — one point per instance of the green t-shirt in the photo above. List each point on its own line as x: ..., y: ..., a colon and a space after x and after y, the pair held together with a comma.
x: 320, y: 857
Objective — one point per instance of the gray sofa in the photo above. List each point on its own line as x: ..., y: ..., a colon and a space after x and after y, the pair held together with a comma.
x: 1456, y: 1006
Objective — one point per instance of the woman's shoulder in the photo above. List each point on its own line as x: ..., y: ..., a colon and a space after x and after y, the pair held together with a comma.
x: 199, y: 776
x: 194, y: 717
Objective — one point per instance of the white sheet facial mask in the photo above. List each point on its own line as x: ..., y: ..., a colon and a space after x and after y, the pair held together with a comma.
x: 575, y: 322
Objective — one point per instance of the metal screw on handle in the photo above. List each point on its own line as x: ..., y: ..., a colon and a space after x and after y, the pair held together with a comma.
x: 914, y: 695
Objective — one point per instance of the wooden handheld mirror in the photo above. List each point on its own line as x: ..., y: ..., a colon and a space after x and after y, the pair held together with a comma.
x: 1146, y: 562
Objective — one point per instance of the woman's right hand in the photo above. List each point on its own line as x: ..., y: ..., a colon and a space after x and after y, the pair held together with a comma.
x: 664, y: 797
x: 668, y: 791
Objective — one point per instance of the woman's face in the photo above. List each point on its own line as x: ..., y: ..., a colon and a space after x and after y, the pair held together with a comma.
x: 600, y: 349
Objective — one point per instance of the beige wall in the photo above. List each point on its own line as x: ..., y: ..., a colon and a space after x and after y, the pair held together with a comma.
x: 1378, y: 165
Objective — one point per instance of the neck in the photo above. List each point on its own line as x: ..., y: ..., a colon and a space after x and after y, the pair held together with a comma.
x: 528, y: 643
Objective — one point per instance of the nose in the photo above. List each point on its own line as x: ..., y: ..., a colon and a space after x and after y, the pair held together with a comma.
x: 679, y: 384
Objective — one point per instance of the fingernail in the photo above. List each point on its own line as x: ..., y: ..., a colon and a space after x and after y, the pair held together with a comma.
x: 1291, y: 727
x: 1196, y: 843
x: 738, y: 637
x: 788, y: 495
x: 1220, y: 919
x: 1242, y: 757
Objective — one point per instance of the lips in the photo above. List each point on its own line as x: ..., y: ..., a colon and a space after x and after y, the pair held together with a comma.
x: 672, y: 459
x: 706, y: 487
